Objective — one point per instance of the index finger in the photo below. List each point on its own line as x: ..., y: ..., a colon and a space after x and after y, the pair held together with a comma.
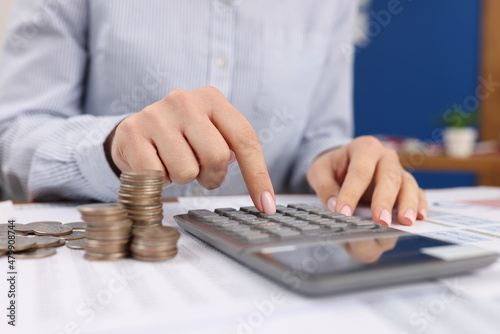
x: 242, y: 139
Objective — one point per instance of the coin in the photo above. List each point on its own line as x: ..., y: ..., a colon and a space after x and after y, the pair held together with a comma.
x: 76, y: 244
x: 105, y: 257
x: 18, y: 244
x: 35, y: 253
x: 45, y: 229
x: 45, y: 241
x: 101, y: 209
x: 155, y: 258
x: 163, y: 232
x: 77, y: 225
x: 61, y: 242
x: 73, y: 235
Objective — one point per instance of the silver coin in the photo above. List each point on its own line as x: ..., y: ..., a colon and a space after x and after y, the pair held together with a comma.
x: 105, y: 257
x: 101, y: 208
x: 76, y: 244
x: 45, y: 241
x: 77, y: 225
x: 37, y: 253
x: 143, y: 173
x: 75, y: 235
x: 18, y: 244
x: 56, y: 230
x: 50, y: 222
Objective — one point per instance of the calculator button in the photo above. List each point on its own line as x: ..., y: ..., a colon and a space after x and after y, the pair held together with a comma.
x: 250, y: 209
x: 362, y: 223
x: 202, y: 213
x: 215, y: 219
x: 284, y: 210
x: 236, y: 229
x: 286, y: 234
x: 244, y: 217
x: 298, y: 205
x: 347, y: 219
x: 307, y: 227
x: 263, y: 215
x: 297, y: 214
x: 267, y: 226
x: 225, y: 223
x: 311, y: 218
x: 295, y: 222
x: 221, y: 211
x: 282, y: 219
x: 255, y: 221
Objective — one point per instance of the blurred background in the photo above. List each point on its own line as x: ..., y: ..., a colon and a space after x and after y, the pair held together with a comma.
x: 420, y: 64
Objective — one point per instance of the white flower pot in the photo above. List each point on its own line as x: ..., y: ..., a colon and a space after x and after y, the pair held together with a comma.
x: 459, y: 142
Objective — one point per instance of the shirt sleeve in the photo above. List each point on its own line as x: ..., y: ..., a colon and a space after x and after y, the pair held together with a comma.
x: 330, y: 123
x: 49, y: 149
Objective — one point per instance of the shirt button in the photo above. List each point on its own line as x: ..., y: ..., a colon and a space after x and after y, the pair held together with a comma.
x: 220, y: 61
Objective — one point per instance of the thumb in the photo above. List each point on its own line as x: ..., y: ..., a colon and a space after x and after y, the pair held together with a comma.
x: 321, y: 178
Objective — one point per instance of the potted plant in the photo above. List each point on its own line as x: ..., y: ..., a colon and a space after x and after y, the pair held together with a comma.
x: 460, y: 133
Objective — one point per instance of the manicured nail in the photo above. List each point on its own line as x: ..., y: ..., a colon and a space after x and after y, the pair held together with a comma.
x: 385, y: 216
x: 346, y: 210
x: 331, y: 203
x: 410, y: 215
x: 268, y: 204
x: 422, y: 213
x: 232, y: 157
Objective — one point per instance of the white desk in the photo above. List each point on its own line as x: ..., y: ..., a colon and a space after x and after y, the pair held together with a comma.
x: 203, y: 291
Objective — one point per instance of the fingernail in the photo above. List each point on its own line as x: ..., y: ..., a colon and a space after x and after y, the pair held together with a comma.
x: 268, y: 204
x: 410, y: 215
x: 346, y: 210
x: 423, y: 213
x: 232, y: 157
x: 331, y: 203
x: 385, y: 216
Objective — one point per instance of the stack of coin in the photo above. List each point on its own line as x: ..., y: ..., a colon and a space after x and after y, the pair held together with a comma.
x: 108, y: 231
x: 156, y: 243
x: 140, y: 193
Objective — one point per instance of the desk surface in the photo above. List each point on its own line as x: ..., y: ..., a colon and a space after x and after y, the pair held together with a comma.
x: 203, y: 291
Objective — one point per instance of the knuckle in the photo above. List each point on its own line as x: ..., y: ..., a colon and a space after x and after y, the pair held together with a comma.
x: 393, y: 177
x: 370, y: 142
x: 390, y: 153
x: 211, y: 91
x: 218, y: 160
x: 362, y: 174
x: 248, y: 139
x: 177, y: 96
x: 185, y: 175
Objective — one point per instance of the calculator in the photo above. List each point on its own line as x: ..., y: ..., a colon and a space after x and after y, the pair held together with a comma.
x: 314, y: 251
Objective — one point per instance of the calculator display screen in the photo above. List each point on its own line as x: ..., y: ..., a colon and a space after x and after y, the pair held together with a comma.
x: 325, y: 258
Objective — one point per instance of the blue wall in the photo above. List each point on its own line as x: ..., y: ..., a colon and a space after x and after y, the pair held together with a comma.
x: 414, y: 68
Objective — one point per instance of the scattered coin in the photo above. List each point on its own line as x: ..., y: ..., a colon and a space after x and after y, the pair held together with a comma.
x: 76, y: 244
x: 56, y: 230
x: 19, y: 243
x: 61, y: 242
x: 45, y: 241
x: 35, y: 253
x: 73, y: 235
x: 77, y: 225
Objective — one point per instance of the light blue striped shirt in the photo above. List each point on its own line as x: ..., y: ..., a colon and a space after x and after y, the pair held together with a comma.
x: 71, y: 70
